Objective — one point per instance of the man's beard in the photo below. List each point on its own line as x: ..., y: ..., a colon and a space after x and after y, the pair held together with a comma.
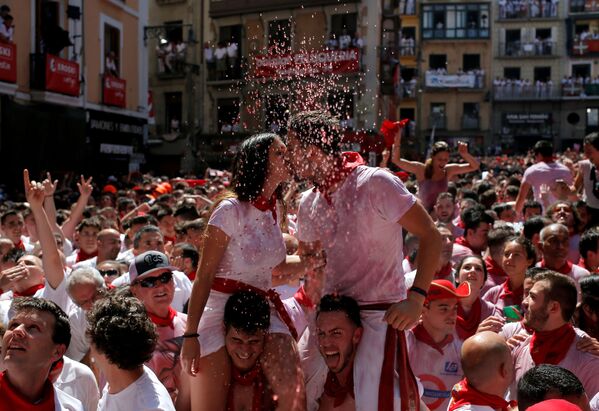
x: 537, y: 320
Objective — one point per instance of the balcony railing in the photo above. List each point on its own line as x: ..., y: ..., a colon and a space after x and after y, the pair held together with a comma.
x: 470, y: 80
x: 585, y: 47
x: 470, y: 122
x: 528, y: 10
x: 540, y: 48
x: 55, y: 74
x: 579, y: 90
x: 409, y: 50
x: 438, y: 121
x: 584, y: 6
x: 407, y: 7
x: 408, y: 90
x: 222, y: 8
x: 542, y: 91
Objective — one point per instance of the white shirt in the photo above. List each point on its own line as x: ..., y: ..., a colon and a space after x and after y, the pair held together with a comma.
x: 65, y: 402
x: 232, y: 50
x: 7, y: 31
x: 220, y: 53
x: 145, y: 394
x: 79, y: 345
x: 594, y: 403
x: 79, y: 381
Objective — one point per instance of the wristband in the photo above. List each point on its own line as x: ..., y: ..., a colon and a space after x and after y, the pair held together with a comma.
x: 419, y: 290
x: 190, y: 335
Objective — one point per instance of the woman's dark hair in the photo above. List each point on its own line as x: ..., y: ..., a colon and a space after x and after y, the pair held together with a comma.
x: 479, y: 258
x: 250, y: 167
x: 438, y: 147
x: 529, y: 248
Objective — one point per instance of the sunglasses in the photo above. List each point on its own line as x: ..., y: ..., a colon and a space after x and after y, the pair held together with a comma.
x: 152, y: 282
x: 108, y: 273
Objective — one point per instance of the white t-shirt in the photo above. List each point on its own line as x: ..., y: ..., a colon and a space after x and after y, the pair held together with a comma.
x: 79, y: 345
x: 585, y: 169
x: 65, y: 402
x: 79, y: 382
x: 145, y: 394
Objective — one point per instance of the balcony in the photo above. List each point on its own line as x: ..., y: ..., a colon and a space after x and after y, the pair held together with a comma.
x: 54, y: 74
x: 170, y: 60
x: 223, y: 8
x: 407, y: 7
x: 516, y: 10
x: 472, y: 33
x: 584, y: 6
x: 474, y: 80
x: 438, y: 121
x: 408, y: 89
x: 114, y: 91
x: 470, y: 122
x: 580, y: 90
x: 406, y: 50
x: 526, y: 92
x: 519, y: 49
x: 587, y: 47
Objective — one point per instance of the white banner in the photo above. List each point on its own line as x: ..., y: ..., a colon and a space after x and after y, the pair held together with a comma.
x: 450, y: 80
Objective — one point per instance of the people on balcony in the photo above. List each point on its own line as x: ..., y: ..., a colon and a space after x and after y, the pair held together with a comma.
x: 6, y: 29
x: 517, y: 9
x: 344, y: 40
x: 209, y: 59
x: 407, y: 45
x: 232, y: 54
x: 523, y: 88
x: 580, y: 86
x: 110, y: 66
x: 221, y: 60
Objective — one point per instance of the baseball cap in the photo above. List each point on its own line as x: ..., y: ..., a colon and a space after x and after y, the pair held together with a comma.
x: 148, y: 263
x: 440, y: 289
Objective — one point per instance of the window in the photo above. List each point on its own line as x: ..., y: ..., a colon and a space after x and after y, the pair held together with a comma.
x: 542, y: 74
x: 227, y: 112
x: 346, y: 22
x: 437, y: 116
x: 543, y: 34
x: 470, y: 117
x: 511, y: 73
x: 593, y: 117
x: 173, y: 110
x: 455, y: 21
x: 279, y: 35
x: 437, y: 61
x: 581, y: 70
x: 470, y: 62
x: 112, y: 50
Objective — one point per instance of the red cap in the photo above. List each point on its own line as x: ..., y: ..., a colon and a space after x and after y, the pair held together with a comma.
x: 554, y: 405
x: 445, y: 289
x: 109, y: 188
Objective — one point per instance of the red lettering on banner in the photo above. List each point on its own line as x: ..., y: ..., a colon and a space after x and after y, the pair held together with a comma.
x: 62, y: 76
x: 8, y: 63
x: 308, y: 63
x: 114, y: 91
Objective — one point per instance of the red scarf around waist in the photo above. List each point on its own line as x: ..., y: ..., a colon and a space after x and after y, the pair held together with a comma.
x: 396, y: 361
x: 334, y: 389
x: 423, y: 336
x: 264, y: 204
x: 253, y: 377
x: 493, y: 269
x: 30, y: 292
x: 11, y: 400
x: 82, y: 255
x: 565, y: 269
x: 466, y: 325
x: 164, y: 321
x: 228, y: 286
x: 465, y: 394
x: 515, y: 297
x: 551, y: 347
x: 347, y: 163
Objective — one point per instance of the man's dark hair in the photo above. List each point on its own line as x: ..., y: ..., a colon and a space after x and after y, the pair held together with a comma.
x: 61, y: 334
x: 92, y: 222
x: 189, y: 251
x: 123, y: 203
x: 333, y: 303
x: 317, y: 128
x: 512, y: 191
x: 13, y: 255
x: 472, y: 217
x: 162, y: 211
x: 561, y: 289
x: 544, y: 148
x: 499, y: 208
x: 533, y: 226
x: 488, y: 198
x: 592, y: 139
x: 247, y: 311
x: 589, y: 288
x: 142, y: 231
x: 119, y: 328
x: 498, y: 236
x: 544, y: 379
x: 5, y: 8
x: 197, y: 224
x: 532, y: 272
x: 588, y: 242
x: 7, y: 214
x: 140, y: 220
x: 531, y: 204
x: 467, y: 193
x: 186, y: 212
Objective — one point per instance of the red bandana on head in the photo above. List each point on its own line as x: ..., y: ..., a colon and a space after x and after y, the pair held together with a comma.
x: 565, y: 269
x: 166, y: 321
x: 465, y: 394
x: 466, y: 325
x: 423, y: 336
x: 348, y: 162
x: 551, y: 347
x: 30, y: 292
x: 11, y: 400
x: 253, y: 377
x: 333, y: 389
x: 263, y: 204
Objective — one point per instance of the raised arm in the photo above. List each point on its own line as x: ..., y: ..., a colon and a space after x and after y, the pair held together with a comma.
x: 51, y: 258
x: 85, y: 190
x: 414, y: 167
x: 49, y: 205
x: 456, y: 169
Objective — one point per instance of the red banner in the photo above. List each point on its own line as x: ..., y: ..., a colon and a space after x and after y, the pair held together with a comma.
x: 309, y: 63
x: 62, y: 76
x: 583, y: 47
x: 8, y: 62
x: 114, y: 91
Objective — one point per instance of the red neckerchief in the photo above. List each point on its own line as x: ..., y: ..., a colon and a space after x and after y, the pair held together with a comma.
x: 582, y: 263
x: 333, y: 389
x: 253, y: 377
x: 461, y: 240
x: 191, y: 275
x: 169, y: 239
x: 13, y: 401
x: 263, y: 204
x: 303, y: 299
x: 565, y: 269
x: 82, y: 255
x: 444, y: 272
x: 465, y: 394
x: 515, y: 296
x: 164, y: 321
x: 494, y: 269
x: 347, y: 163
x: 423, y: 336
x: 466, y: 326
x: 20, y: 245
x: 28, y: 292
x: 551, y: 347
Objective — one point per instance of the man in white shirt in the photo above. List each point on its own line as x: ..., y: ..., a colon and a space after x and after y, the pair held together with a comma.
x: 6, y: 29
x: 122, y: 339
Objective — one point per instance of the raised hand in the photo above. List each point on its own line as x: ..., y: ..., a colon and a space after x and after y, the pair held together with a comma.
x: 11, y: 275
x: 34, y: 191
x: 85, y: 186
x: 462, y: 148
x: 49, y: 185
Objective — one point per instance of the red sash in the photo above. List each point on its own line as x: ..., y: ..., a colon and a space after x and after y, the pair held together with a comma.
x: 11, y: 400
x: 565, y: 269
x: 164, y: 321
x: 228, y: 286
x: 348, y: 162
x: 466, y: 326
x: 333, y: 389
x: 396, y: 360
x: 263, y: 204
x: 30, y: 292
x: 551, y: 347
x: 465, y: 394
x: 253, y: 377
x: 423, y: 336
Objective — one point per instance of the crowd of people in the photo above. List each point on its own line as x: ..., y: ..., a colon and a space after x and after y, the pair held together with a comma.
x: 222, y: 60
x: 303, y: 279
x: 521, y: 9
x: 523, y: 88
